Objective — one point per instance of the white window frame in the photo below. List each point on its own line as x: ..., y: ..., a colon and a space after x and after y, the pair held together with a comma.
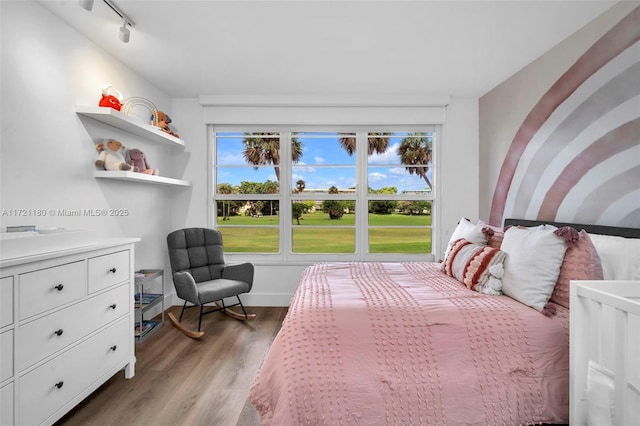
x: 285, y: 255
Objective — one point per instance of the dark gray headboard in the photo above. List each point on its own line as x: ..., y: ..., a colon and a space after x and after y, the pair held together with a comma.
x: 592, y: 229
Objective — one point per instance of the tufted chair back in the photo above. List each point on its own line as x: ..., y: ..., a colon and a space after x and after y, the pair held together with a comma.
x: 198, y: 251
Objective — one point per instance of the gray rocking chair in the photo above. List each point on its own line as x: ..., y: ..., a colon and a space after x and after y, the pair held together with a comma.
x: 200, y: 274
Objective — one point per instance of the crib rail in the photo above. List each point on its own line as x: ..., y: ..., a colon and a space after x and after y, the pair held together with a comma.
x: 605, y: 330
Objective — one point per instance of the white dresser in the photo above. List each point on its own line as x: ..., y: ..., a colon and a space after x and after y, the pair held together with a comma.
x: 66, y: 327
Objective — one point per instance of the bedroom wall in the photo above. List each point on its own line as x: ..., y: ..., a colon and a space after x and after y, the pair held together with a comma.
x: 560, y: 140
x: 47, y: 152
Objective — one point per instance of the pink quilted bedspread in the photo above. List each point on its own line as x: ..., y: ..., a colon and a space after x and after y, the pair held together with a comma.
x: 404, y: 344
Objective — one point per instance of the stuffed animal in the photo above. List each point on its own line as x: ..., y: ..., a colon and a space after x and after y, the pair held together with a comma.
x: 111, y: 157
x: 136, y: 158
x: 111, y: 101
x: 163, y: 123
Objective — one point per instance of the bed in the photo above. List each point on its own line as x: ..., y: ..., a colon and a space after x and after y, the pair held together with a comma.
x: 372, y: 343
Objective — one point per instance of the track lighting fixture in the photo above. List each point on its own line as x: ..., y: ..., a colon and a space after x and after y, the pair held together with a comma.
x: 124, y: 32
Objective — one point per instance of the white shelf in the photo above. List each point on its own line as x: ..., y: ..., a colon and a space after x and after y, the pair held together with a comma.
x: 129, y: 124
x: 140, y: 177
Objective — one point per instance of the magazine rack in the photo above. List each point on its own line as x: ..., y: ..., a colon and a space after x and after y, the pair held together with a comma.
x: 145, y: 300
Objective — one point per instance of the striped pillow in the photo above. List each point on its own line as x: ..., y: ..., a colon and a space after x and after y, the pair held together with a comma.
x: 480, y: 268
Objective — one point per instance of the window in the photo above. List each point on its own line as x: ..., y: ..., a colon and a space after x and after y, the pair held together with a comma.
x: 400, y: 176
x: 302, y: 193
x: 247, y: 194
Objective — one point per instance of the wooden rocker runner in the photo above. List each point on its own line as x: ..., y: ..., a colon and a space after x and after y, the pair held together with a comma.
x: 235, y: 314
x: 182, y: 329
x: 198, y: 334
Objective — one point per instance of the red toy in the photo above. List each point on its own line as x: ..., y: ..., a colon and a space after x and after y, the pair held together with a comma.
x: 110, y: 101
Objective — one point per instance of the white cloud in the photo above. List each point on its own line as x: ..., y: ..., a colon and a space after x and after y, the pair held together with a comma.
x: 376, y: 177
x: 230, y: 158
x: 302, y: 167
x: 390, y: 156
x: 398, y: 171
x: 320, y: 160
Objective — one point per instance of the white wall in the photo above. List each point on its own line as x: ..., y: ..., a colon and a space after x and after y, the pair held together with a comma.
x: 459, y: 163
x: 47, y: 152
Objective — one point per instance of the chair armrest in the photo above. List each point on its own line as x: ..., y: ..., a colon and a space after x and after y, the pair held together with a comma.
x: 186, y: 287
x: 240, y: 272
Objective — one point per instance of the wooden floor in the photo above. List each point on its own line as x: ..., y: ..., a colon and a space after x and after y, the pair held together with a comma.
x: 181, y: 381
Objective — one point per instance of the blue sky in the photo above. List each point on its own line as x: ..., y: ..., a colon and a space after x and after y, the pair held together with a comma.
x: 323, y: 164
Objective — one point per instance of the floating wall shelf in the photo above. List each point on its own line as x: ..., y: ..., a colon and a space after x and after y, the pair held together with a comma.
x: 129, y: 124
x: 140, y: 177
x: 122, y: 121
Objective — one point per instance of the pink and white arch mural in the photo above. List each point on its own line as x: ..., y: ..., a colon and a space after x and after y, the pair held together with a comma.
x: 576, y: 156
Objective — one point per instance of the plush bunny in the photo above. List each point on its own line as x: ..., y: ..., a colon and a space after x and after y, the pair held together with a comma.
x: 137, y: 159
x: 111, y: 157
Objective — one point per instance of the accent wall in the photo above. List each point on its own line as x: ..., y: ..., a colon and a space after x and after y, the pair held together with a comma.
x: 560, y: 140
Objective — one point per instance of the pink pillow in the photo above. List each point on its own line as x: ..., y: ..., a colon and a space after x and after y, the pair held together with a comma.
x: 581, y: 262
x: 497, y: 234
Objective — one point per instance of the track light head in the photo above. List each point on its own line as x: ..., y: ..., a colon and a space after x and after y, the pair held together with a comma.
x: 86, y: 4
x: 124, y: 33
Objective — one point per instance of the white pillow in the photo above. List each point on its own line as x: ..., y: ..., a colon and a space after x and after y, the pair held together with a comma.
x: 532, y: 266
x: 620, y: 257
x: 468, y: 231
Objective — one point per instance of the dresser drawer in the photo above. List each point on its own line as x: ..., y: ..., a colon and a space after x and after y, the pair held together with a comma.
x: 49, y: 334
x: 48, y: 288
x: 6, y: 301
x: 107, y: 270
x: 6, y: 404
x: 6, y: 355
x: 49, y: 387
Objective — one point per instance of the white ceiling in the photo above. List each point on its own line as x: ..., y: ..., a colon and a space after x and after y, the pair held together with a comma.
x: 305, y: 47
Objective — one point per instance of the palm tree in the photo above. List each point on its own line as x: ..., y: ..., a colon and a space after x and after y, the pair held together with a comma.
x: 225, y: 188
x: 270, y: 187
x: 300, y: 185
x: 376, y: 144
x: 264, y: 148
x: 415, y: 155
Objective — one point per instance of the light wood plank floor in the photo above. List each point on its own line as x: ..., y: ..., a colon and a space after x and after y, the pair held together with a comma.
x: 181, y: 381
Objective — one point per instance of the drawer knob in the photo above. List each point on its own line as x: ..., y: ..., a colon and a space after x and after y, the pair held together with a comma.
x: 59, y: 384
x: 58, y: 332
x: 112, y: 306
x: 59, y: 287
x: 114, y: 347
x: 112, y: 270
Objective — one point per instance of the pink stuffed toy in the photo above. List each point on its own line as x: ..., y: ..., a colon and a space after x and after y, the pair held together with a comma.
x: 136, y: 158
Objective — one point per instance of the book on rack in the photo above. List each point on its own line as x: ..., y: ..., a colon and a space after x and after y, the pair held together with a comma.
x: 144, y: 327
x: 145, y: 299
x: 144, y: 273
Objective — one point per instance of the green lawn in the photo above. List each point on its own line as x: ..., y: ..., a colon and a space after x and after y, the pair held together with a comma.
x: 322, y: 219
x: 333, y: 238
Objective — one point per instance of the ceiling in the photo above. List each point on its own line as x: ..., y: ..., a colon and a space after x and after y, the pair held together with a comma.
x: 305, y: 47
